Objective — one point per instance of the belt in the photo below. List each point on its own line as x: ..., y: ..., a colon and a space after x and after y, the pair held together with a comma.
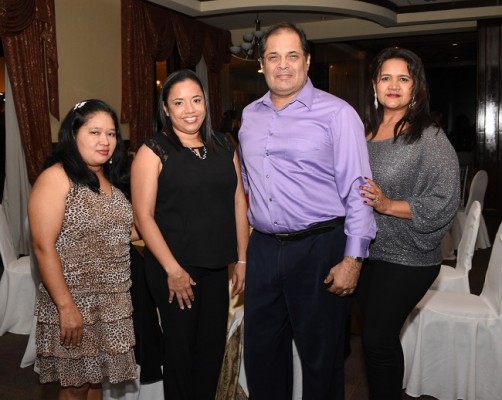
x: 315, y: 229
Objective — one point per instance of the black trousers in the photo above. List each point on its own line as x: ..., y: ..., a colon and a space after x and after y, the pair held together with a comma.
x: 387, y: 293
x: 194, y: 339
x: 286, y: 298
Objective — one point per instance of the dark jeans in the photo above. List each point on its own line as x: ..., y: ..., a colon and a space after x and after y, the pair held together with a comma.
x: 387, y: 293
x: 286, y: 298
x: 194, y: 339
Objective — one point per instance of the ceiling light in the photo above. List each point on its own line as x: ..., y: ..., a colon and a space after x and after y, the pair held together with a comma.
x: 249, y: 49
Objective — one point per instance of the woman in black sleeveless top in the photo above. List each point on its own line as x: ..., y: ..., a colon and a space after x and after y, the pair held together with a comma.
x: 190, y: 208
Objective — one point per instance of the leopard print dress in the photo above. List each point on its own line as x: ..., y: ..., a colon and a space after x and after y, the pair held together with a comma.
x: 94, y: 250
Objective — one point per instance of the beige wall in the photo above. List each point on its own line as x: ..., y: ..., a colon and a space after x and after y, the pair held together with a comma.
x: 89, y: 54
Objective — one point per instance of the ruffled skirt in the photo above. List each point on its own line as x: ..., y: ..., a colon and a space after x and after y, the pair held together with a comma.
x: 106, y: 351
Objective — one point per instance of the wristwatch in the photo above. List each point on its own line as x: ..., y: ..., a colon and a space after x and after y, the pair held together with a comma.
x: 358, y: 259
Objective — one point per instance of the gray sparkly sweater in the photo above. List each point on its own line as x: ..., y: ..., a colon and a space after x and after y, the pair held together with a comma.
x: 426, y: 175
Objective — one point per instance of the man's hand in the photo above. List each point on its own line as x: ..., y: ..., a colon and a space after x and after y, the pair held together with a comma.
x: 344, y: 277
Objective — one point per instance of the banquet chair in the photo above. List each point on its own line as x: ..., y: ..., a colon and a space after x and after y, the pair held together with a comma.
x: 452, y: 341
x: 17, y: 285
x: 476, y: 192
x: 456, y: 279
x: 464, y: 173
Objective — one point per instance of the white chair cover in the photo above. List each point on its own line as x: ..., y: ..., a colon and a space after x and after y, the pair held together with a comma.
x: 452, y: 341
x: 457, y: 279
x: 464, y: 172
x: 447, y: 248
x: 476, y: 193
x: 30, y: 353
x: 17, y: 286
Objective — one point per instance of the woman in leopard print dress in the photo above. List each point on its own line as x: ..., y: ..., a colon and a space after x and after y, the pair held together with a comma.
x: 81, y: 226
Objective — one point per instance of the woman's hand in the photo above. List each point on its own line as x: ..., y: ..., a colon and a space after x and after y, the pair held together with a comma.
x: 238, y: 279
x: 71, y: 326
x: 382, y: 204
x: 375, y: 197
x: 180, y: 285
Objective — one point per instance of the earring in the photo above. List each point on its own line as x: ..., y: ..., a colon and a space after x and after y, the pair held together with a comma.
x: 110, y: 161
x: 376, y: 101
x: 413, y: 102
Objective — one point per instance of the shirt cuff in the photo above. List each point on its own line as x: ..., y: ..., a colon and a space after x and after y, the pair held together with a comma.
x: 357, y: 247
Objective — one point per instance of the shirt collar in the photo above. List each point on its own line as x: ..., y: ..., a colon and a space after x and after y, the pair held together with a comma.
x: 305, y: 96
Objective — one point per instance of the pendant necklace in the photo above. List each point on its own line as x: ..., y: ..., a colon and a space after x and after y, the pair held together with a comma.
x: 202, y: 153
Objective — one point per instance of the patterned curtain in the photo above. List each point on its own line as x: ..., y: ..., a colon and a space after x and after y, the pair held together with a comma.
x: 27, y: 29
x: 149, y: 34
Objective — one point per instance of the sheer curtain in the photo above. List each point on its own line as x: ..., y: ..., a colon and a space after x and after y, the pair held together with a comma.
x: 17, y: 186
x: 201, y: 71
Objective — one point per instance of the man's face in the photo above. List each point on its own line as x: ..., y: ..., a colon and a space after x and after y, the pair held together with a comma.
x: 284, y: 65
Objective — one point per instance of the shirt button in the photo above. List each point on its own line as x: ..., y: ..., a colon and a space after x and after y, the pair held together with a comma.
x: 275, y: 222
x: 270, y: 199
x: 267, y: 176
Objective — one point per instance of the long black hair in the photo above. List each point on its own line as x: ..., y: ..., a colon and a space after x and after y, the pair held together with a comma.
x: 207, y: 134
x: 66, y: 150
x: 417, y: 116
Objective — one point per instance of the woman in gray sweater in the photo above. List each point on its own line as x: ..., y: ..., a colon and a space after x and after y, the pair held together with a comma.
x: 415, y: 193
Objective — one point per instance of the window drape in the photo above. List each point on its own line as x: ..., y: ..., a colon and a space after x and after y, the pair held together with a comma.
x: 149, y: 34
x: 27, y: 29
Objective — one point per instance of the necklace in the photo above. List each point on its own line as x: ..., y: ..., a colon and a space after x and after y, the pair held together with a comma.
x: 202, y: 153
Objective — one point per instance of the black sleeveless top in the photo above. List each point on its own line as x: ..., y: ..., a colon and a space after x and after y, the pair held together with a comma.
x: 195, y: 206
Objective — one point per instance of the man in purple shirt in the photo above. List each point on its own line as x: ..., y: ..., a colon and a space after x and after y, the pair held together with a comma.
x: 304, y: 156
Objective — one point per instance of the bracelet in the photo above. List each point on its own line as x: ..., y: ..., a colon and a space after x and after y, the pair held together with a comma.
x: 241, y: 262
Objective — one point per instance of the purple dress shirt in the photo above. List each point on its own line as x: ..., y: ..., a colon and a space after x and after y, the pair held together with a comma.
x: 303, y: 164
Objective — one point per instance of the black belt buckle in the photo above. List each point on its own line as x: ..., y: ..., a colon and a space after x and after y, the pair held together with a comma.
x: 286, y: 237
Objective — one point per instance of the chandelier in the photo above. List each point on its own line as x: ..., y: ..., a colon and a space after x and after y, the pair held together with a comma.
x: 248, y: 50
